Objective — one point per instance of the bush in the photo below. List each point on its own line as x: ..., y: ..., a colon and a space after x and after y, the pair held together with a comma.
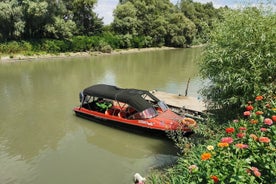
x: 239, y: 60
x: 245, y: 152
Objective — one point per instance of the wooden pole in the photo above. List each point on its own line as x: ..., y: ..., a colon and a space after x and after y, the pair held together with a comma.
x: 187, y: 87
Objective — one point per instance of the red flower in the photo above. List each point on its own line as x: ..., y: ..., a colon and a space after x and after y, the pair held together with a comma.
x: 215, y: 179
x: 273, y: 118
x: 249, y: 108
x: 240, y: 135
x: 264, y: 139
x: 246, y: 113
x: 258, y: 98
x: 242, y: 128
x: 228, y: 140
x: 230, y: 130
x: 263, y: 129
x: 268, y: 121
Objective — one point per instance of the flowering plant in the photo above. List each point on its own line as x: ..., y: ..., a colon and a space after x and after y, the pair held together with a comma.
x: 245, y: 151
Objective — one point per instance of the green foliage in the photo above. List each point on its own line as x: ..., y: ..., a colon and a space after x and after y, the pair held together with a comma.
x: 244, y: 151
x: 86, y: 20
x: 239, y: 60
x: 60, y: 28
x: 202, y: 15
x: 158, y: 20
x: 11, y: 23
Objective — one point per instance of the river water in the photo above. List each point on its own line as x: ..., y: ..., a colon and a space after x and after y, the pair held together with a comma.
x: 43, y: 142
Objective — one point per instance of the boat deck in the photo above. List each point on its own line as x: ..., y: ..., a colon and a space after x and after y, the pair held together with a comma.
x: 181, y: 102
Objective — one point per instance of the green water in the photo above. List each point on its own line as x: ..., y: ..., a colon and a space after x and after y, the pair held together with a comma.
x: 43, y: 142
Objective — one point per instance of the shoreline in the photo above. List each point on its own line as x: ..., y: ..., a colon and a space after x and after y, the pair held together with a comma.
x: 21, y: 57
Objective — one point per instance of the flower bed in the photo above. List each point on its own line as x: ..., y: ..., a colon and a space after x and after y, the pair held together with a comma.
x: 244, y: 153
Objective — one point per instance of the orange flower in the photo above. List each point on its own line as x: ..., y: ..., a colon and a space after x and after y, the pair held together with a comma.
x: 230, y: 130
x: 253, y: 121
x: 241, y: 146
x: 254, y: 137
x: 264, y: 139
x: 259, y: 112
x: 223, y: 144
x: 258, y: 98
x: 206, y: 156
x: 215, y: 179
x: 256, y: 171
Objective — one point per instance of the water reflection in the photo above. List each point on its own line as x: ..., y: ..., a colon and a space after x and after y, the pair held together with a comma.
x: 41, y: 140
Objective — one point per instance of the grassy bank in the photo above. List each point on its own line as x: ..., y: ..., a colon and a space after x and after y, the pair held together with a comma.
x: 43, y: 55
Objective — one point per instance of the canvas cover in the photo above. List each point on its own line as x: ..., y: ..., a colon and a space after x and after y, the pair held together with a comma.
x: 133, y: 97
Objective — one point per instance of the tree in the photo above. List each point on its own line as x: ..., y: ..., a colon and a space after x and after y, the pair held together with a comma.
x: 86, y: 20
x: 11, y: 20
x: 36, y: 16
x: 61, y: 28
x: 202, y: 15
x: 159, y: 20
x: 125, y: 19
x: 239, y: 60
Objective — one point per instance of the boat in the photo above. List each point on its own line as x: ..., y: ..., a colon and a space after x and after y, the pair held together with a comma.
x: 133, y: 107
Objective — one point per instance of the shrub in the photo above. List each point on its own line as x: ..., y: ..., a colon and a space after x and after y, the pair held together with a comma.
x: 245, y: 152
x: 239, y: 60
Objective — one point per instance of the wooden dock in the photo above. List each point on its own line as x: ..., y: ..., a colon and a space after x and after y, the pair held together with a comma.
x: 186, y: 105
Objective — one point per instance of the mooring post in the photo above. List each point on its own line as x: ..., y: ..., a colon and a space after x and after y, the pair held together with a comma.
x: 187, y: 87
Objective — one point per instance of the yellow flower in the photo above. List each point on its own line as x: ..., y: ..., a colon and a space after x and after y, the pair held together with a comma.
x: 223, y: 144
x: 210, y: 147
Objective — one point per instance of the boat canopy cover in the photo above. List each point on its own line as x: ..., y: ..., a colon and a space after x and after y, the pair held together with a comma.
x: 133, y: 97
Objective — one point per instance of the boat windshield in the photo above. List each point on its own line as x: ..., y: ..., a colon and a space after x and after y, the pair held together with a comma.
x: 148, y: 113
x: 163, y: 106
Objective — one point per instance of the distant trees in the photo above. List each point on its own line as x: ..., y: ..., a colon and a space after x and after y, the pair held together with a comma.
x: 137, y: 23
x: 160, y: 21
x: 202, y: 15
x: 60, y: 19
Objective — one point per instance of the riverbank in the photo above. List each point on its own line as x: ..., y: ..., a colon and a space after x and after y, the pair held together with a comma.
x: 21, y: 57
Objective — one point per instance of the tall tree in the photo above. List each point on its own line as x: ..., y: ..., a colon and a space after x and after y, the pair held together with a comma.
x: 85, y: 18
x: 203, y: 16
x: 11, y: 20
x: 36, y: 16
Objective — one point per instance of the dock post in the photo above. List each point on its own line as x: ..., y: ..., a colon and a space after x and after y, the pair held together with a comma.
x: 186, y: 91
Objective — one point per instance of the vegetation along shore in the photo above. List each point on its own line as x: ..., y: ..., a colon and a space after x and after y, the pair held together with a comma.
x: 237, y: 144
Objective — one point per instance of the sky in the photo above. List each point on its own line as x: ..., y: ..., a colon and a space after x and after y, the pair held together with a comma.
x: 105, y: 8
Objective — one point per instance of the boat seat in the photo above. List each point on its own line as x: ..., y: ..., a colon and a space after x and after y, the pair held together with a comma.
x: 112, y: 112
x: 122, y: 114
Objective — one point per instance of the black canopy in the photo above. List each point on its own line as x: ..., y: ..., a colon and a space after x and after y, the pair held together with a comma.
x: 133, y: 97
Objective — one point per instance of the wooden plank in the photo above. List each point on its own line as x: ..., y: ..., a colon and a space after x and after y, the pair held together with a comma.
x: 179, y: 101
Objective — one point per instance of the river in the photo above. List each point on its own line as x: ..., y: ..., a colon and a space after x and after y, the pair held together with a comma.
x: 43, y: 142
